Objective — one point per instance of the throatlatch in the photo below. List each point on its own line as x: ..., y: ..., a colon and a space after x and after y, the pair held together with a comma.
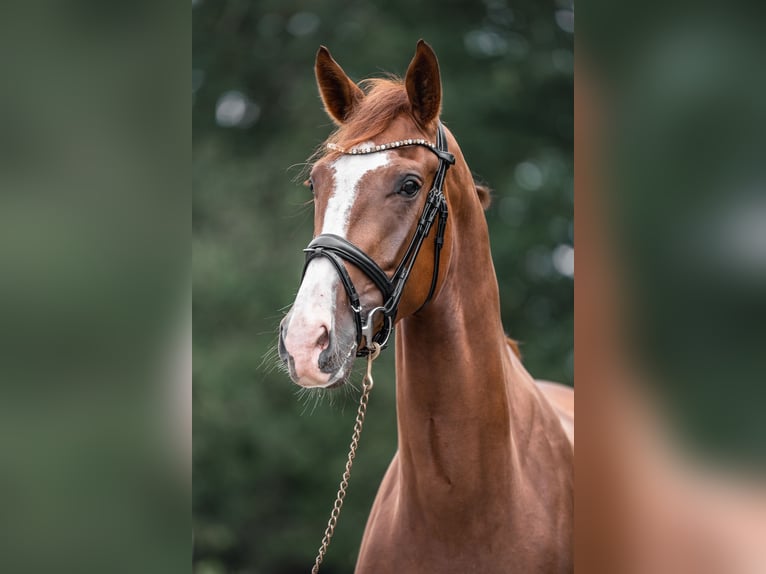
x: 337, y: 250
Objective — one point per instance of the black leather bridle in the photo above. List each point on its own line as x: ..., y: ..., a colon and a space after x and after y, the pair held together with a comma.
x: 337, y: 249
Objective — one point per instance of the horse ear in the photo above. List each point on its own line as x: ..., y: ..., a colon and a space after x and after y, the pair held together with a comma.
x: 339, y: 94
x: 424, y: 87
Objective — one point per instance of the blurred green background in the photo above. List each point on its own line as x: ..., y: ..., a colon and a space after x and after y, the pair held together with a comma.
x: 266, y: 459
x: 683, y: 94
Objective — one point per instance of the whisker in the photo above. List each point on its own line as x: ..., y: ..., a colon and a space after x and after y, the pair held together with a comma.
x: 304, y: 396
x: 301, y: 164
x: 318, y: 394
x: 271, y: 361
x: 301, y: 210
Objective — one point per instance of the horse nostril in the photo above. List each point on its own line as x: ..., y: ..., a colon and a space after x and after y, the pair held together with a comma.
x: 324, y: 339
x: 281, y: 344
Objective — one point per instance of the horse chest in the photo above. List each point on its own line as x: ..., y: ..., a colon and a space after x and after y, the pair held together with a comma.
x: 519, y: 537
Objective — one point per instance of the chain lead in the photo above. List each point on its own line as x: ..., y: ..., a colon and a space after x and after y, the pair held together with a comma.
x: 367, y: 385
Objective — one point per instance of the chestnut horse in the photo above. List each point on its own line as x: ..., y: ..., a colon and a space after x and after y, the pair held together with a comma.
x: 483, y: 477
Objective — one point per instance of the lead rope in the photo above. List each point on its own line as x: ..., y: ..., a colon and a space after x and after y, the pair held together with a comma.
x: 367, y: 384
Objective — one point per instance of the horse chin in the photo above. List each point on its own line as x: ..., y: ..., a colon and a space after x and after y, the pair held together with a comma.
x: 343, y: 374
x: 334, y: 379
x: 338, y: 384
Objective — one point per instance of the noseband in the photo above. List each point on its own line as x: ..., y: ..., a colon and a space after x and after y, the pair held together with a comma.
x: 337, y: 249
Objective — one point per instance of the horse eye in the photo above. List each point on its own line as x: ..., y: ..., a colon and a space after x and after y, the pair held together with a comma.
x: 310, y: 183
x: 409, y: 188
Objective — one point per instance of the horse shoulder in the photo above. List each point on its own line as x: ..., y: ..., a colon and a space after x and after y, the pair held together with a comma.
x: 561, y: 398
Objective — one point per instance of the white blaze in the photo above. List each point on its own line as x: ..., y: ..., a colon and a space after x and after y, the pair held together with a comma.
x: 349, y: 171
x: 315, y: 303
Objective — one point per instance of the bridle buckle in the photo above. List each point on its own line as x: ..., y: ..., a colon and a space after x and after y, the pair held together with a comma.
x: 368, y: 328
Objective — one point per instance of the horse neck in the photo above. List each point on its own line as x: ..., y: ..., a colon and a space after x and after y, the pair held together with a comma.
x: 451, y: 366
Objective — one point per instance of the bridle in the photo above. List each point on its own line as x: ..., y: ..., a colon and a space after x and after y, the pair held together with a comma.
x: 337, y: 249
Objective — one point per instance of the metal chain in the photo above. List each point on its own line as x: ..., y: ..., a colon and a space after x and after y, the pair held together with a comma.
x: 367, y: 384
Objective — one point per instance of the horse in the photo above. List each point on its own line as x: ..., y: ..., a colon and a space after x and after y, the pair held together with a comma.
x: 482, y: 480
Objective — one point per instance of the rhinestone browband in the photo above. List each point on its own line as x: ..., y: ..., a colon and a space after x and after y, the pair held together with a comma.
x: 382, y: 147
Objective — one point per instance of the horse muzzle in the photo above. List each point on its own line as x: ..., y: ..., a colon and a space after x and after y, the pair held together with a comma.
x: 315, y: 354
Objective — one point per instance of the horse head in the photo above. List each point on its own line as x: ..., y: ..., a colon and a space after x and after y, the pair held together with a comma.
x: 371, y: 187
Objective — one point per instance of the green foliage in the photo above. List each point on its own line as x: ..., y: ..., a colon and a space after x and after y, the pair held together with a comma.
x: 266, y: 460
